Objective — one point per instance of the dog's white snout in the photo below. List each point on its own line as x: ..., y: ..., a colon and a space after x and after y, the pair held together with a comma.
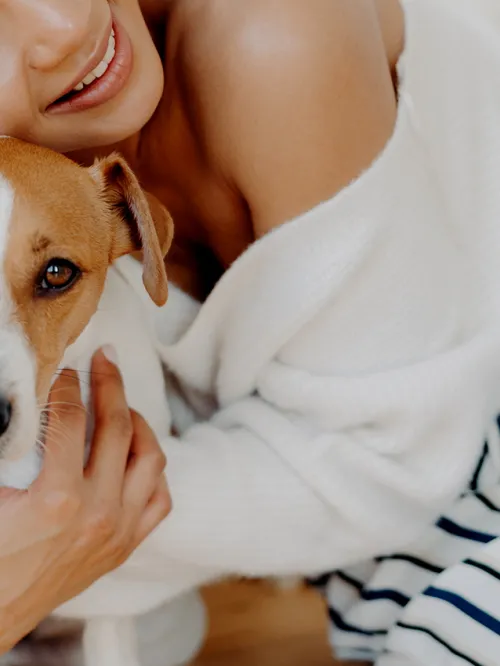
x: 19, y: 410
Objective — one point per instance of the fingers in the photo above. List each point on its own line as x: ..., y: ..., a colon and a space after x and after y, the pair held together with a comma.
x: 146, y: 466
x: 113, y: 427
x: 54, y: 499
x: 145, y: 499
x: 156, y: 511
x: 65, y: 434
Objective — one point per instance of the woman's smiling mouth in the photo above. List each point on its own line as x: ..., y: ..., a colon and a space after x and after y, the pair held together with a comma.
x: 104, y: 78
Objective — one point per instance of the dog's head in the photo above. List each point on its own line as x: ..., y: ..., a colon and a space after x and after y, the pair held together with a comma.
x: 61, y: 227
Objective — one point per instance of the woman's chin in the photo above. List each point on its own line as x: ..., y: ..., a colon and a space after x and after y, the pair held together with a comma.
x: 114, y: 121
x: 132, y: 109
x: 131, y: 115
x: 134, y: 106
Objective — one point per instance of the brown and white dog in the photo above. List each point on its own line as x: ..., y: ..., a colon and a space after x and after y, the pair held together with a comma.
x: 64, y: 234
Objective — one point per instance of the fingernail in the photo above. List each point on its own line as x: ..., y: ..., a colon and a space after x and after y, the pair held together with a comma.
x: 110, y: 353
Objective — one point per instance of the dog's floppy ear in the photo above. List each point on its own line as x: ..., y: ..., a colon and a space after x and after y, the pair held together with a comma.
x: 142, y: 222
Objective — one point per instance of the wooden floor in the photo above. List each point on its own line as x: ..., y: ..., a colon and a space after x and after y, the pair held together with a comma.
x: 260, y: 624
x: 250, y: 624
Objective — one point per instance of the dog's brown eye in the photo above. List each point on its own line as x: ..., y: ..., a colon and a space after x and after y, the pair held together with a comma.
x: 58, y: 275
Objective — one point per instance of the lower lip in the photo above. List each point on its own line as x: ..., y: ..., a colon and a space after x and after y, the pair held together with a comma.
x: 108, y: 86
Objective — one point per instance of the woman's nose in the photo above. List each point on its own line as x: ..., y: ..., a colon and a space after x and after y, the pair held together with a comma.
x: 53, y: 30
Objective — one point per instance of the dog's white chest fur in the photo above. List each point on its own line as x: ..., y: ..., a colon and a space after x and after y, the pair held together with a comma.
x: 123, y: 320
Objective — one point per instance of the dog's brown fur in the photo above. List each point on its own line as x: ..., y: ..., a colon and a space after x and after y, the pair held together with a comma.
x: 89, y: 216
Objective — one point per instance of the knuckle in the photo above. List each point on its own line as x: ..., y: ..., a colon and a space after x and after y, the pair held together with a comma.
x: 157, y: 461
x: 119, y: 421
x: 137, y: 419
x: 164, y: 503
x: 61, y: 506
x: 101, y: 526
x: 110, y: 380
x: 118, y: 551
x: 142, y: 429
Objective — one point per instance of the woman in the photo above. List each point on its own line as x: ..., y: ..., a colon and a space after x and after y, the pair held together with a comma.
x: 352, y: 354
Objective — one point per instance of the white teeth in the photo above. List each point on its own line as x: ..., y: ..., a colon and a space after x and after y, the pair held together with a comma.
x: 110, y: 51
x: 101, y: 67
x: 89, y: 78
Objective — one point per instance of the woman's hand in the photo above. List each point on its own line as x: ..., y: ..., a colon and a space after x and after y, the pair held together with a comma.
x: 74, y: 525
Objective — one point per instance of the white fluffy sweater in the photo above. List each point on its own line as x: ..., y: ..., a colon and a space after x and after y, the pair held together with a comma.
x: 353, y: 355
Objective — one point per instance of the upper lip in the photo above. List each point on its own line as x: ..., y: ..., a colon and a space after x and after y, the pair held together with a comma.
x: 96, y: 58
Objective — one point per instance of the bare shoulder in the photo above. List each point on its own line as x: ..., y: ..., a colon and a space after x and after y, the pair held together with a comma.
x: 293, y: 98
x: 261, y: 25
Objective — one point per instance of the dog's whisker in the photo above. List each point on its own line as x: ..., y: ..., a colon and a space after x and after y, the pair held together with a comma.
x: 66, y: 373
x: 40, y: 445
x: 50, y: 404
x: 61, y: 371
x: 55, y: 391
x: 62, y: 438
x: 79, y: 379
x: 62, y: 403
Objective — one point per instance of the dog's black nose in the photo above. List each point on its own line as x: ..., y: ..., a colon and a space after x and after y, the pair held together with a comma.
x: 5, y: 415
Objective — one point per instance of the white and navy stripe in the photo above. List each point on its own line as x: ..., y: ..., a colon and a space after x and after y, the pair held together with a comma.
x: 439, y: 601
x: 456, y: 620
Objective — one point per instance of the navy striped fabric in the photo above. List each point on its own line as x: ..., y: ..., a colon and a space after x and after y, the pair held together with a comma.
x: 437, y: 603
